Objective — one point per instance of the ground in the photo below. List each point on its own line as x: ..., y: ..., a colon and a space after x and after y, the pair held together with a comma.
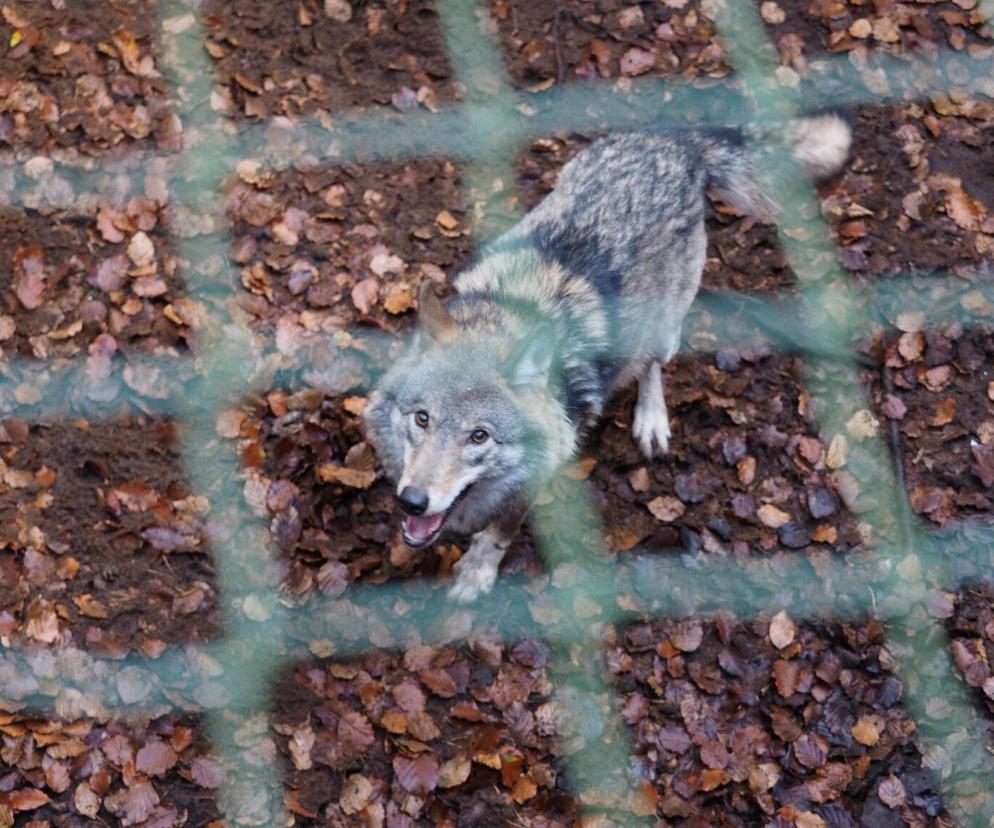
x: 105, y: 544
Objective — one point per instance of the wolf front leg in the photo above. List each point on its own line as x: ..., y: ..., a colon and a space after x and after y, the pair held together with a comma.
x: 651, y: 425
x: 476, y: 571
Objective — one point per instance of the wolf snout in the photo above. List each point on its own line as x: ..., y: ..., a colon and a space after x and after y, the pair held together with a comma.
x: 413, y: 501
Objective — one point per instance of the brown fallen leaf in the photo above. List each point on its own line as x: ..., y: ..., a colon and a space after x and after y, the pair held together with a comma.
x: 746, y: 469
x: 155, y: 758
x: 27, y: 799
x: 687, y: 636
x: 141, y: 250
x: 639, y: 479
x: 355, y: 794
x: 454, y: 772
x: 637, y: 61
x: 419, y: 775
x: 786, y: 675
x: 714, y: 778
x: 365, y: 293
x: 945, y: 411
x: 90, y: 606
x: 86, y: 801
x: 782, y: 630
x: 967, y: 213
x: 773, y: 517
x: 354, y: 478
x: 29, y: 276
x: 866, y: 732
x: 891, y: 792
x: 399, y: 298
x: 523, y: 790
x: 665, y: 508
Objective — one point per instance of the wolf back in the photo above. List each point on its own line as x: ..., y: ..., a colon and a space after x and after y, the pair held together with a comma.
x: 586, y: 293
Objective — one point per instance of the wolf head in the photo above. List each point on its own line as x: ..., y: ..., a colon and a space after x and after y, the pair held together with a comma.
x: 468, y: 422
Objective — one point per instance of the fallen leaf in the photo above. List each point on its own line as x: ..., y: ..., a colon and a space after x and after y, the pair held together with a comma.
x: 809, y: 819
x: 454, y: 772
x: 911, y: 346
x: 399, y: 298
x: 963, y: 210
x: 86, y: 801
x: 155, y: 758
x: 772, y: 13
x: 763, y: 777
x: 523, y: 790
x: 838, y: 452
x: 141, y: 250
x: 637, y: 61
x: 639, y: 479
x: 891, y: 792
x: 90, y: 606
x: 771, y: 516
x: 893, y: 407
x: 365, y: 293
x: 355, y: 794
x: 782, y: 630
x: 665, y: 508
x: 354, y: 478
x: 687, y: 636
x: 27, y: 799
x: 714, y: 778
x: 945, y: 411
x: 29, y: 276
x: 860, y: 28
x: 863, y: 425
x: 419, y: 775
x: 866, y: 732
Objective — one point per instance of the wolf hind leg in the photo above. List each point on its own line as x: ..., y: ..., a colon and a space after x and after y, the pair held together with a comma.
x: 476, y: 571
x: 651, y: 424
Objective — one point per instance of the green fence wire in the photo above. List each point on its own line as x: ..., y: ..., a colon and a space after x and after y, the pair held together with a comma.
x: 230, y: 680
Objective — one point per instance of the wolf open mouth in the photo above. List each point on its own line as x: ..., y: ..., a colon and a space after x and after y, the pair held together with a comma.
x: 421, y: 530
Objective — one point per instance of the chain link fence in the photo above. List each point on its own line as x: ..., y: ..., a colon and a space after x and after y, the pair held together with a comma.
x: 485, y: 130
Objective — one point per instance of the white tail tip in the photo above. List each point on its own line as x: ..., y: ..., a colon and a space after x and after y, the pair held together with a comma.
x: 821, y: 143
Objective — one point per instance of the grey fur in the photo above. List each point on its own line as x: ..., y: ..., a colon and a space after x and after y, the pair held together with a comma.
x: 585, y: 294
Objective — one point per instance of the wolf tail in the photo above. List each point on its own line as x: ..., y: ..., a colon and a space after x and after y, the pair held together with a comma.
x: 734, y: 157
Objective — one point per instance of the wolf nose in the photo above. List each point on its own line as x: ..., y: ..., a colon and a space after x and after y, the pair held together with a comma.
x: 413, y: 501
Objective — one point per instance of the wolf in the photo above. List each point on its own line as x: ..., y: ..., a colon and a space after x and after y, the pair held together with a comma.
x: 587, y: 293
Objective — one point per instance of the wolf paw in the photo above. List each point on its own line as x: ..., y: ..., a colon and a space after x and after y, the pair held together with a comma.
x: 472, y: 582
x: 651, y: 428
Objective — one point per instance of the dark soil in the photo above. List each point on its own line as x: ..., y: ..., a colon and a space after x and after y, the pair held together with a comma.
x: 824, y: 26
x: 90, y: 286
x: 77, y: 505
x: 298, y: 60
x: 388, y: 226
x: 942, y: 401
x: 64, y: 85
x: 804, y: 723
x: 549, y: 41
x: 907, y: 228
x: 168, y: 751
x: 489, y: 705
x: 970, y: 622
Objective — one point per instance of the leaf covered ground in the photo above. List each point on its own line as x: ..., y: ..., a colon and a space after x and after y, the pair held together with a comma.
x: 105, y: 545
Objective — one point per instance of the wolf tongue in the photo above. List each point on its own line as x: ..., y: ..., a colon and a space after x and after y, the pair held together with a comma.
x: 422, y: 528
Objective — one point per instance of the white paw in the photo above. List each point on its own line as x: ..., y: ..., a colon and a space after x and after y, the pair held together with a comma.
x: 651, y: 429
x: 472, y: 582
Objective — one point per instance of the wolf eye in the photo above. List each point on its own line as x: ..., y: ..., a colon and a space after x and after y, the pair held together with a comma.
x: 421, y: 418
x: 479, y: 436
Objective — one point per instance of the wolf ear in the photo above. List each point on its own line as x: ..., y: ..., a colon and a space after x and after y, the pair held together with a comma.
x: 530, y: 363
x: 432, y: 315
